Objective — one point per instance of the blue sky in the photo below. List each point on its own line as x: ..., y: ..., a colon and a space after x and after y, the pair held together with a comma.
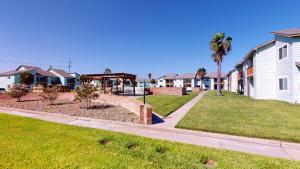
x: 136, y: 36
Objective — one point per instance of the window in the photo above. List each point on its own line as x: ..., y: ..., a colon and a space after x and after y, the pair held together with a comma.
x: 283, y: 52
x: 161, y: 80
x: 283, y: 84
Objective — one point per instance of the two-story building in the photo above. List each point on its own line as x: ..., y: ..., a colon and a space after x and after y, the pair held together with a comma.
x: 272, y: 70
x: 192, y: 80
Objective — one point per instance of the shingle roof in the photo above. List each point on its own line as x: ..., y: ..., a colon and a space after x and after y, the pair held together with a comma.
x: 28, y: 68
x: 14, y: 72
x: 171, y: 76
x: 62, y: 73
x: 288, y: 32
x: 186, y: 76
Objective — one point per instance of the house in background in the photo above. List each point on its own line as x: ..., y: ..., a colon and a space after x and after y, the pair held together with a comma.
x: 65, y: 78
x: 192, y: 80
x: 232, y: 81
x: 77, y: 78
x: 272, y: 70
x: 188, y: 80
x: 41, y: 77
x: 148, y: 83
x: 167, y: 80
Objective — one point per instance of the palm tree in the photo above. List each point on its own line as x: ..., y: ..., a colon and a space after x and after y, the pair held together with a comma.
x: 149, y: 75
x: 201, y: 72
x: 107, y: 71
x: 220, y: 46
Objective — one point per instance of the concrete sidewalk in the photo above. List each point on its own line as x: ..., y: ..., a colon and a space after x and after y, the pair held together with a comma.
x: 264, y: 147
x: 171, y: 120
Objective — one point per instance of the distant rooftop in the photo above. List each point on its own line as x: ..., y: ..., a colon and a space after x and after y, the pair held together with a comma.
x: 288, y: 32
x: 62, y: 73
x: 191, y: 76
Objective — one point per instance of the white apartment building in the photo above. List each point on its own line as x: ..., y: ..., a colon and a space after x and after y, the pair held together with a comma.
x: 272, y: 70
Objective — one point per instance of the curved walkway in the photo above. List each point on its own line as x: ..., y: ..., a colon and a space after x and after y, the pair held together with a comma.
x: 171, y: 120
x: 264, y: 147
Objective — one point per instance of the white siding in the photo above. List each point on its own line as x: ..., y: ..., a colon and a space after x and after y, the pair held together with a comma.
x: 161, y: 82
x: 296, y: 70
x: 284, y: 69
x: 63, y: 80
x: 6, y: 80
x: 245, y: 80
x: 178, y: 83
x: 265, y: 82
x: 234, y: 84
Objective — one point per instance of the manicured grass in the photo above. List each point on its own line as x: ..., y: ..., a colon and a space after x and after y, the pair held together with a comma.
x: 30, y: 143
x: 241, y: 115
x: 167, y: 104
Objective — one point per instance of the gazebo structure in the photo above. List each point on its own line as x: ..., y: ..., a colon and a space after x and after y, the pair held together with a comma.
x: 105, y: 78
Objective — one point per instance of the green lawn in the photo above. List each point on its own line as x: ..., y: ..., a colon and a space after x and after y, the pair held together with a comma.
x: 241, y: 115
x: 167, y: 104
x: 30, y: 143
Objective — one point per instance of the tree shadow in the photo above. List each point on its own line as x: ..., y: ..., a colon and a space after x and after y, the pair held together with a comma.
x: 106, y: 106
x: 29, y: 100
x: 62, y: 103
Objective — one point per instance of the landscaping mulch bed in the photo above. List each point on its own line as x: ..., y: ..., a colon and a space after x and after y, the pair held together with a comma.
x: 69, y: 107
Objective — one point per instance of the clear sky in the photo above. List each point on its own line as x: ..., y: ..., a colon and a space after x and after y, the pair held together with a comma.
x: 135, y: 36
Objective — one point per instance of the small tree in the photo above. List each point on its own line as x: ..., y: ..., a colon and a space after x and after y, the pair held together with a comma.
x: 26, y: 78
x: 50, y: 94
x: 17, y: 91
x: 107, y: 71
x: 84, y: 79
x: 149, y: 76
x: 86, y: 92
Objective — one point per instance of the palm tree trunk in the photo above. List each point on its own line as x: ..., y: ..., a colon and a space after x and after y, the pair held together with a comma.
x: 201, y: 88
x: 219, y: 92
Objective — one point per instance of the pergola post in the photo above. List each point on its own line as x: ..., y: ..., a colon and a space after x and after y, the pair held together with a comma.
x: 123, y: 84
x: 118, y: 76
x: 117, y: 83
x: 133, y: 83
x: 105, y: 84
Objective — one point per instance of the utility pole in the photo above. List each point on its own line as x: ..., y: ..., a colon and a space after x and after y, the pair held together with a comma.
x: 69, y: 65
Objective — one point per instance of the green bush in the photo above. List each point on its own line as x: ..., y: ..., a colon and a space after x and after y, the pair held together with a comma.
x: 50, y: 94
x: 26, y: 78
x: 86, y: 92
x: 17, y: 91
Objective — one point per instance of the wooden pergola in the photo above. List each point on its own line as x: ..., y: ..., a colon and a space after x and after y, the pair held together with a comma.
x: 104, y: 78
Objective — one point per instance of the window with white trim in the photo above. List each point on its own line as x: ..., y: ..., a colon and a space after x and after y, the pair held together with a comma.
x: 283, y: 52
x: 283, y: 84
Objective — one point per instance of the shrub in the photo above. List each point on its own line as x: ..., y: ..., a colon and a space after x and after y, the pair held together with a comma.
x: 86, y: 92
x: 26, y: 78
x: 50, y: 94
x: 17, y: 91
